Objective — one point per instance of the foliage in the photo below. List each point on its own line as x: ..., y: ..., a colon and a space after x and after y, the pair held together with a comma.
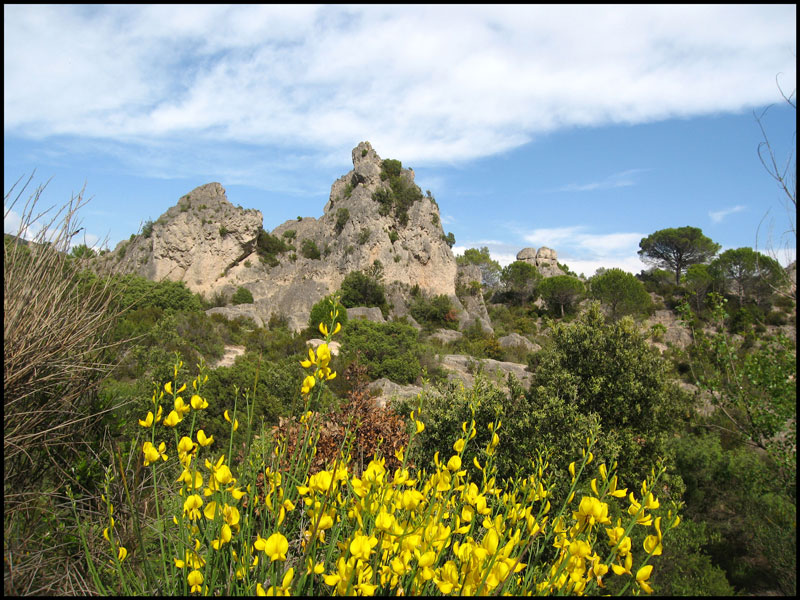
x: 621, y: 291
x: 267, y: 499
x: 699, y: 280
x: 386, y: 349
x: 449, y: 239
x: 490, y: 269
x: 82, y: 251
x: 242, y: 296
x: 361, y: 289
x: 147, y: 228
x: 520, y: 280
x: 677, y: 248
x: 320, y: 310
x: 134, y: 291
x: 269, y: 246
x: 309, y: 249
x: 755, y: 389
x: 608, y: 371
x: 342, y: 217
x: 748, y: 274
x: 364, y: 235
x: 562, y: 291
x: 749, y: 520
x: 57, y: 352
x: 223, y: 231
x: 400, y: 194
x: 434, y: 312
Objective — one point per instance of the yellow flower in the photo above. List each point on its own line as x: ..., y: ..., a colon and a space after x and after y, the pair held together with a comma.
x: 362, y: 545
x: 181, y: 407
x: 308, y: 383
x: 223, y: 475
x: 225, y: 536
x: 203, y: 440
x: 276, y: 547
x: 195, y: 579
x: 198, y: 403
x: 235, y: 422
x: 168, y: 387
x: 173, y: 418
x: 420, y: 426
x: 459, y: 445
x: 591, y: 511
x: 642, y: 575
x: 123, y: 553
x: 148, y: 421
x: 191, y: 507
x: 151, y: 454
x: 454, y: 464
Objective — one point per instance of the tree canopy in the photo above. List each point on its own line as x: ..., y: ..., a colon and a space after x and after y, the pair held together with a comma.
x: 621, y: 291
x: 490, y: 269
x: 747, y: 273
x: 519, y: 280
x: 561, y: 290
x: 677, y: 248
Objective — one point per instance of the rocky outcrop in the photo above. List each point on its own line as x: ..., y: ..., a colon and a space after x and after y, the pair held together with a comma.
x: 545, y: 259
x: 386, y: 390
x: 468, y: 282
x: 373, y: 214
x: 465, y: 368
x: 515, y: 340
x: 446, y: 336
x: 368, y: 313
x: 197, y: 241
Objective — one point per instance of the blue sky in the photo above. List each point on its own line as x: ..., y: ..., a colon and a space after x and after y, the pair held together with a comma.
x: 580, y: 128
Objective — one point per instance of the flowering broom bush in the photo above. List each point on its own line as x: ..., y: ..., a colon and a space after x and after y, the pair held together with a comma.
x: 268, y: 526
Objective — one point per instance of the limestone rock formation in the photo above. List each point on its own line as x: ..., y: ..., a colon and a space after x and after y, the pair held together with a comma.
x: 197, y: 241
x: 545, y: 259
x: 374, y: 213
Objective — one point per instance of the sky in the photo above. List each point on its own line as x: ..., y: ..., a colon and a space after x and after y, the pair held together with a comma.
x: 579, y: 128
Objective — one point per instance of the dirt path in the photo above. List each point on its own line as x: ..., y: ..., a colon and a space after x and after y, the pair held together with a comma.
x: 231, y: 352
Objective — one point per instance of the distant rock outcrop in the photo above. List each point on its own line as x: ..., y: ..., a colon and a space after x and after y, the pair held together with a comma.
x: 374, y: 213
x: 545, y: 259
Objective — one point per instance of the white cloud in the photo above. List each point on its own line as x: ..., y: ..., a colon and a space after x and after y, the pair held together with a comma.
x: 617, y: 180
x: 584, y: 251
x: 432, y: 84
x: 717, y: 216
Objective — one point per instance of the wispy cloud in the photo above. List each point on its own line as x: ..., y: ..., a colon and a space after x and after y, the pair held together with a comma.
x: 719, y: 215
x: 458, y: 84
x: 617, y: 180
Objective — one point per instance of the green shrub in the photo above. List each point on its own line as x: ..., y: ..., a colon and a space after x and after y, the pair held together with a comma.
x: 363, y: 235
x: 561, y: 291
x: 242, y: 296
x: 359, y: 289
x: 309, y: 249
x: 320, y: 313
x: 433, y: 313
x: 289, y: 234
x: 147, y: 228
x: 342, y: 216
x: 269, y: 246
x: 387, y: 349
x: 223, y: 231
x: 393, y: 236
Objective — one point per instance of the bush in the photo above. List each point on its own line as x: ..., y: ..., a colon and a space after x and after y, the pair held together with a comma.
x: 223, y: 231
x: 320, y: 313
x: 342, y: 216
x: 363, y: 236
x: 309, y: 249
x: 359, y: 289
x: 621, y: 291
x: 242, y: 296
x: 386, y: 349
x: 269, y: 246
x: 434, y: 312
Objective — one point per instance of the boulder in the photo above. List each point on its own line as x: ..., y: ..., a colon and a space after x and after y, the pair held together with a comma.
x: 368, y: 313
x: 446, y: 336
x: 513, y: 340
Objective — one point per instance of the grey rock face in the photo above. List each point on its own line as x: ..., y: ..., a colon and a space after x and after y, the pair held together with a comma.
x: 388, y: 390
x: 545, y: 259
x: 212, y: 245
x: 464, y: 368
x: 369, y: 313
x: 445, y: 336
x: 514, y: 339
